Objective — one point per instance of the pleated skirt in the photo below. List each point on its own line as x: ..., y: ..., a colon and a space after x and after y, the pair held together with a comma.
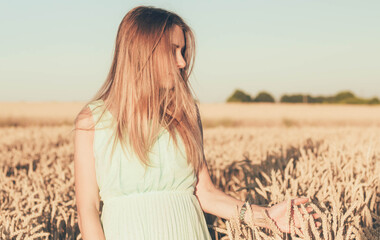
x: 159, y: 215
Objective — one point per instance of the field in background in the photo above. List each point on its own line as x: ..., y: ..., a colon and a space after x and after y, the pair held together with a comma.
x: 223, y: 114
x: 263, y: 152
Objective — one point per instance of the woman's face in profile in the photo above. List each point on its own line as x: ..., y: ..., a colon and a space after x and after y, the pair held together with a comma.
x: 178, y: 45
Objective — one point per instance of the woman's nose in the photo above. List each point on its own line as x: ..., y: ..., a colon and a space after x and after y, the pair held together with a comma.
x: 181, y: 63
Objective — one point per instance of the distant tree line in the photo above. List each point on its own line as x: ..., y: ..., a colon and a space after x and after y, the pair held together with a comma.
x: 344, y: 97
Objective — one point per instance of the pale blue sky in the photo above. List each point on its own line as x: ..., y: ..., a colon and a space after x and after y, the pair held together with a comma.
x: 62, y: 50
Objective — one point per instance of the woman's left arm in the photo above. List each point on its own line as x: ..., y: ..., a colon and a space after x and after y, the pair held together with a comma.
x: 220, y: 204
x: 213, y: 200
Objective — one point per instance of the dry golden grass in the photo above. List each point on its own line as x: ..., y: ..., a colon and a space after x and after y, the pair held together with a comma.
x: 337, y: 167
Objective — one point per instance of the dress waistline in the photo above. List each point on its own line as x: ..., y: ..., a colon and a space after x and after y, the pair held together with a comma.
x: 145, y: 194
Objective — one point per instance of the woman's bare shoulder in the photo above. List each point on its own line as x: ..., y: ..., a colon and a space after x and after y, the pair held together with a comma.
x: 85, y: 119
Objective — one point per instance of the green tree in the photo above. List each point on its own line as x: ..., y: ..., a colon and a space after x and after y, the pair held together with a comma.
x: 317, y: 99
x: 239, y: 96
x: 354, y: 100
x: 341, y: 96
x: 296, y: 98
x: 374, y: 100
x: 263, y: 97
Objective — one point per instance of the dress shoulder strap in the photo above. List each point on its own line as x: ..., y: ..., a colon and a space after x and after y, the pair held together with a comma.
x: 97, y: 109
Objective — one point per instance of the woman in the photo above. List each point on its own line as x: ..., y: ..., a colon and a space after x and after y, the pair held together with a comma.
x: 153, y: 178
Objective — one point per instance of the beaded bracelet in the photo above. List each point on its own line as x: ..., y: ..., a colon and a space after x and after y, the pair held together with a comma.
x: 242, y: 211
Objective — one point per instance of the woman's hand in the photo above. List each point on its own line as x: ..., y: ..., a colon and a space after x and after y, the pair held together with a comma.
x: 278, y: 214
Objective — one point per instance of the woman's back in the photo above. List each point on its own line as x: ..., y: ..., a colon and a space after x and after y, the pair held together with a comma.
x: 156, y: 204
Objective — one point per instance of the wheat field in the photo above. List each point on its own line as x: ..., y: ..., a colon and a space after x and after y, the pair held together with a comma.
x: 265, y: 153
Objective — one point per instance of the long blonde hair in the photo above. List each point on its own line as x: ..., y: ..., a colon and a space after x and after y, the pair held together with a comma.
x: 143, y: 56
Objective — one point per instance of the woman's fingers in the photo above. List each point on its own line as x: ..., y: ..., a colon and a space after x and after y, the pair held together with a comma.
x: 316, y: 215
x: 308, y: 209
x: 297, y: 222
x: 299, y: 218
x: 299, y: 214
x: 298, y: 201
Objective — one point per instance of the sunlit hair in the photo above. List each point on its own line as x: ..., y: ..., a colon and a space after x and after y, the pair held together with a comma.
x: 143, y: 56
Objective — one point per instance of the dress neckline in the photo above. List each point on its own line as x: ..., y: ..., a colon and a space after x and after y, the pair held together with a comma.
x: 108, y: 112
x: 112, y: 117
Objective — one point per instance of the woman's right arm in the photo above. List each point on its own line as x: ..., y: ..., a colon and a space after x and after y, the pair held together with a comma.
x: 86, y: 188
